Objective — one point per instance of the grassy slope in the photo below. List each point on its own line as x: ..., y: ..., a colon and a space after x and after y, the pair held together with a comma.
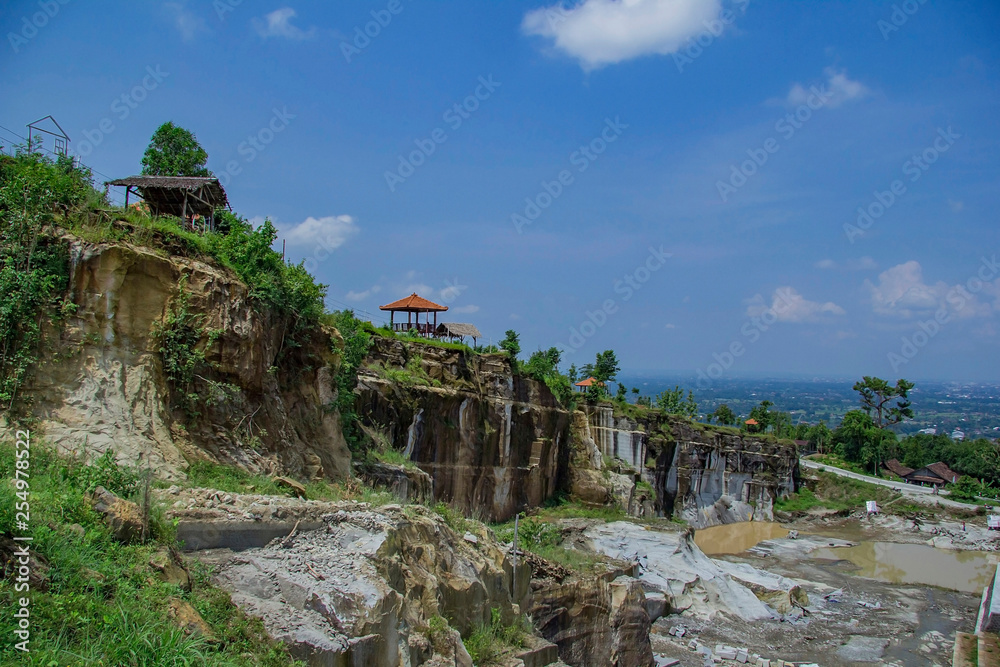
x: 104, y: 606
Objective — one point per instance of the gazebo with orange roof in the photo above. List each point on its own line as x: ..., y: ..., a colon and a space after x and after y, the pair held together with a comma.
x: 589, y: 382
x: 413, y: 305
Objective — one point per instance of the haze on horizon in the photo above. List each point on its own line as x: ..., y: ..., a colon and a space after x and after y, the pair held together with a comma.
x: 773, y: 188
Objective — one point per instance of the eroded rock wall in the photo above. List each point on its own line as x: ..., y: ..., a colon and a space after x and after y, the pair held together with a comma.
x: 261, y: 404
x: 703, y: 474
x: 494, y: 443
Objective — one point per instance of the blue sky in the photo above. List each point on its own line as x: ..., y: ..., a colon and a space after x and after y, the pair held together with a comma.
x: 697, y: 165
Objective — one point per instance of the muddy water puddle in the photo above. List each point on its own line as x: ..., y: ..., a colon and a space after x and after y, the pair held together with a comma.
x: 920, y: 564
x: 734, y: 538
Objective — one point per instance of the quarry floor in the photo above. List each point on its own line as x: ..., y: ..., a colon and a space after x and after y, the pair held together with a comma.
x: 850, y: 619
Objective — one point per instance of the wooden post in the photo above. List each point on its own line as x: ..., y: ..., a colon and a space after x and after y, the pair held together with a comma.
x: 184, y: 211
x: 127, y: 189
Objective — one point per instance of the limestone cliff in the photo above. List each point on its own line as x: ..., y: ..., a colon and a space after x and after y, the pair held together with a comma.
x: 262, y: 405
x: 705, y: 475
x: 494, y: 443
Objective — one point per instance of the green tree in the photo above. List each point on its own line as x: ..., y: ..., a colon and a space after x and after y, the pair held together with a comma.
x: 819, y: 437
x: 724, y: 415
x: 174, y: 151
x: 605, y: 368
x: 887, y: 404
x: 511, y: 344
x: 673, y: 402
x: 622, y: 393
x: 763, y: 416
x: 574, y: 374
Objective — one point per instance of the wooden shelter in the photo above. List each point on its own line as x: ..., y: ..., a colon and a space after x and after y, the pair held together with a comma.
x: 453, y: 330
x: 180, y: 196
x: 413, y: 305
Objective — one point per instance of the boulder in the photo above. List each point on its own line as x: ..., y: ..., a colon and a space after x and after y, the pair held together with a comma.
x: 187, y: 618
x: 167, y: 563
x: 123, y: 517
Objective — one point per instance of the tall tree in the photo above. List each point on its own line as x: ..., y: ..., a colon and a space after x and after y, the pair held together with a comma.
x: 511, y: 344
x: 819, y: 436
x: 672, y: 402
x: 605, y: 368
x: 174, y: 151
x: 886, y: 404
x: 762, y: 415
x: 724, y: 415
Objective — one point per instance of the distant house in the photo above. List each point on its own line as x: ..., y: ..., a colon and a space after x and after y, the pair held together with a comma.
x: 896, y: 468
x: 935, y: 474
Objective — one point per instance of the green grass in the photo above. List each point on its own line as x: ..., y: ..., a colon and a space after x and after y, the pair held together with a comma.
x: 209, y: 475
x: 842, y: 493
x: 104, y: 606
x: 490, y: 644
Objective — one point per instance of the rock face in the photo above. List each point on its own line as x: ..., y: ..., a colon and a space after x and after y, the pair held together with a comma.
x: 705, y: 475
x: 106, y: 388
x: 363, y: 589
x: 600, y: 620
x: 493, y: 443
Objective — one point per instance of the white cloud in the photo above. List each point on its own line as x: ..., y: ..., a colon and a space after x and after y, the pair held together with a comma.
x: 329, y: 232
x: 361, y: 296
x: 188, y: 23
x: 465, y: 309
x: 956, y: 206
x: 602, y: 32
x: 826, y: 264
x: 279, y: 24
x: 901, y: 292
x: 670, y: 326
x: 838, y: 89
x: 787, y: 305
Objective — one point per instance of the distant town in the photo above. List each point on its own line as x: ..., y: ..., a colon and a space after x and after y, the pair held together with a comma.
x: 962, y: 410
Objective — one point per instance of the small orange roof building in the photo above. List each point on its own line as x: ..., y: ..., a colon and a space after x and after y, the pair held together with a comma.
x: 589, y: 382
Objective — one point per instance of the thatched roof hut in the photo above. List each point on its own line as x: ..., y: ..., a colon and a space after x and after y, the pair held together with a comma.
x: 458, y: 330
x: 180, y: 196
